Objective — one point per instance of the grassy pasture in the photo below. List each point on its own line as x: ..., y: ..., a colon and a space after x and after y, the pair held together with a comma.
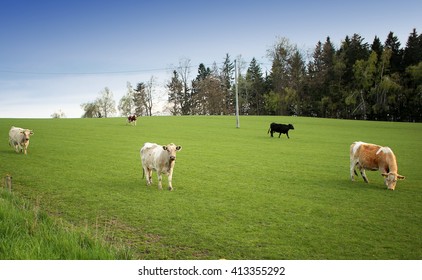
x: 27, y: 232
x: 239, y: 194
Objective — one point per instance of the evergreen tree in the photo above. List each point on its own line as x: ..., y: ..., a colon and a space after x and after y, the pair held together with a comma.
x: 175, y: 88
x: 354, y: 49
x: 377, y: 46
x: 413, y: 52
x: 317, y: 73
x: 392, y: 42
x: 294, y: 98
x: 139, y: 99
x: 256, y: 88
x: 199, y: 90
x: 226, y: 76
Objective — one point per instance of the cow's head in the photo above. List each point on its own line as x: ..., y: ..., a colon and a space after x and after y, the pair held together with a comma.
x: 391, y: 179
x: 291, y: 126
x: 26, y: 133
x: 171, y: 150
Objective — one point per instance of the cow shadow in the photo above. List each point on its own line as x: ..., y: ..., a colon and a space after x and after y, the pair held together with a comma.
x: 8, y: 152
x: 347, y: 184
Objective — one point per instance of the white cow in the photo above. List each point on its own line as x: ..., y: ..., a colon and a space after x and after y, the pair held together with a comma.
x: 159, y: 158
x: 19, y: 139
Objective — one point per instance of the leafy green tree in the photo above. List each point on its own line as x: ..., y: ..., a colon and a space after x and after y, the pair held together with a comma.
x: 91, y: 110
x: 280, y: 54
x: 365, y: 71
x: 414, y: 93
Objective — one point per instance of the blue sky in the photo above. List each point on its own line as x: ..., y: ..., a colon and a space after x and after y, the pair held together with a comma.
x: 58, y: 54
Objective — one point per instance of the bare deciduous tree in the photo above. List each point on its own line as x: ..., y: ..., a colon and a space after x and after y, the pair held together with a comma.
x: 126, y: 104
x: 183, y: 71
x: 149, y: 88
x: 106, y: 103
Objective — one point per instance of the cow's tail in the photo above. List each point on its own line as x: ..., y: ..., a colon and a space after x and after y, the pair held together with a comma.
x: 269, y: 130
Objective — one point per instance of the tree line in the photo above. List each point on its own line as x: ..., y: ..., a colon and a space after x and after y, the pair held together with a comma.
x: 138, y: 101
x: 378, y: 81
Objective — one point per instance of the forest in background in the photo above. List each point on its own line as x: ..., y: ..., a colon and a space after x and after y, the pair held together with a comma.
x: 357, y: 80
x: 378, y: 81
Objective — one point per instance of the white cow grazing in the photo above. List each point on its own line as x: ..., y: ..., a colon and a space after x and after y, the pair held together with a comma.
x: 19, y: 139
x: 374, y: 157
x: 159, y: 158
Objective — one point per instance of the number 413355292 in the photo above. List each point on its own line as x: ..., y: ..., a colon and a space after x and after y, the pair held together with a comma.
x: 258, y: 270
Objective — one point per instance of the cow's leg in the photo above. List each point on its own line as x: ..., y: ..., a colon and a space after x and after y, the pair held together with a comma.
x: 352, y: 169
x: 170, y: 178
x: 279, y: 135
x: 287, y: 133
x: 272, y: 133
x: 160, y: 178
x: 362, y: 172
x: 16, y: 147
x: 147, y: 173
x: 149, y: 176
x: 25, y: 148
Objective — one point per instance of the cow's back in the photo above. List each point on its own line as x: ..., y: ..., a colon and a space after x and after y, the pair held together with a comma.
x: 149, y: 154
x: 15, y: 133
x: 367, y: 155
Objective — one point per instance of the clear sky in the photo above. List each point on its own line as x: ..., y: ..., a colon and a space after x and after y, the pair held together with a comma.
x: 59, y: 54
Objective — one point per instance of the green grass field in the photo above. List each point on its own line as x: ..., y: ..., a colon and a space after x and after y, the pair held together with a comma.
x: 239, y: 194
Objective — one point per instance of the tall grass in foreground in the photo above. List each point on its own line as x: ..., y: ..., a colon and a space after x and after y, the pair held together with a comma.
x: 239, y: 194
x: 27, y: 232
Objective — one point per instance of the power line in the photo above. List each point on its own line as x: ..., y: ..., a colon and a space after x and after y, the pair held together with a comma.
x: 83, y: 73
x: 170, y: 68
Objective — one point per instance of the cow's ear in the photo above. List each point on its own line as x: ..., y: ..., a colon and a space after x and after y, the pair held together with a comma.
x: 178, y: 148
x: 31, y: 132
x: 384, y: 175
x: 165, y: 148
x: 400, y: 177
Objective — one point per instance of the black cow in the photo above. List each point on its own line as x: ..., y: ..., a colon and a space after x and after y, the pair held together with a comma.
x: 132, y: 119
x: 280, y: 128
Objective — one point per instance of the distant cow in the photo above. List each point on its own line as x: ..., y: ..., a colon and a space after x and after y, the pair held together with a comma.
x: 132, y: 119
x: 159, y: 158
x: 280, y: 128
x: 366, y: 156
x: 19, y: 139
